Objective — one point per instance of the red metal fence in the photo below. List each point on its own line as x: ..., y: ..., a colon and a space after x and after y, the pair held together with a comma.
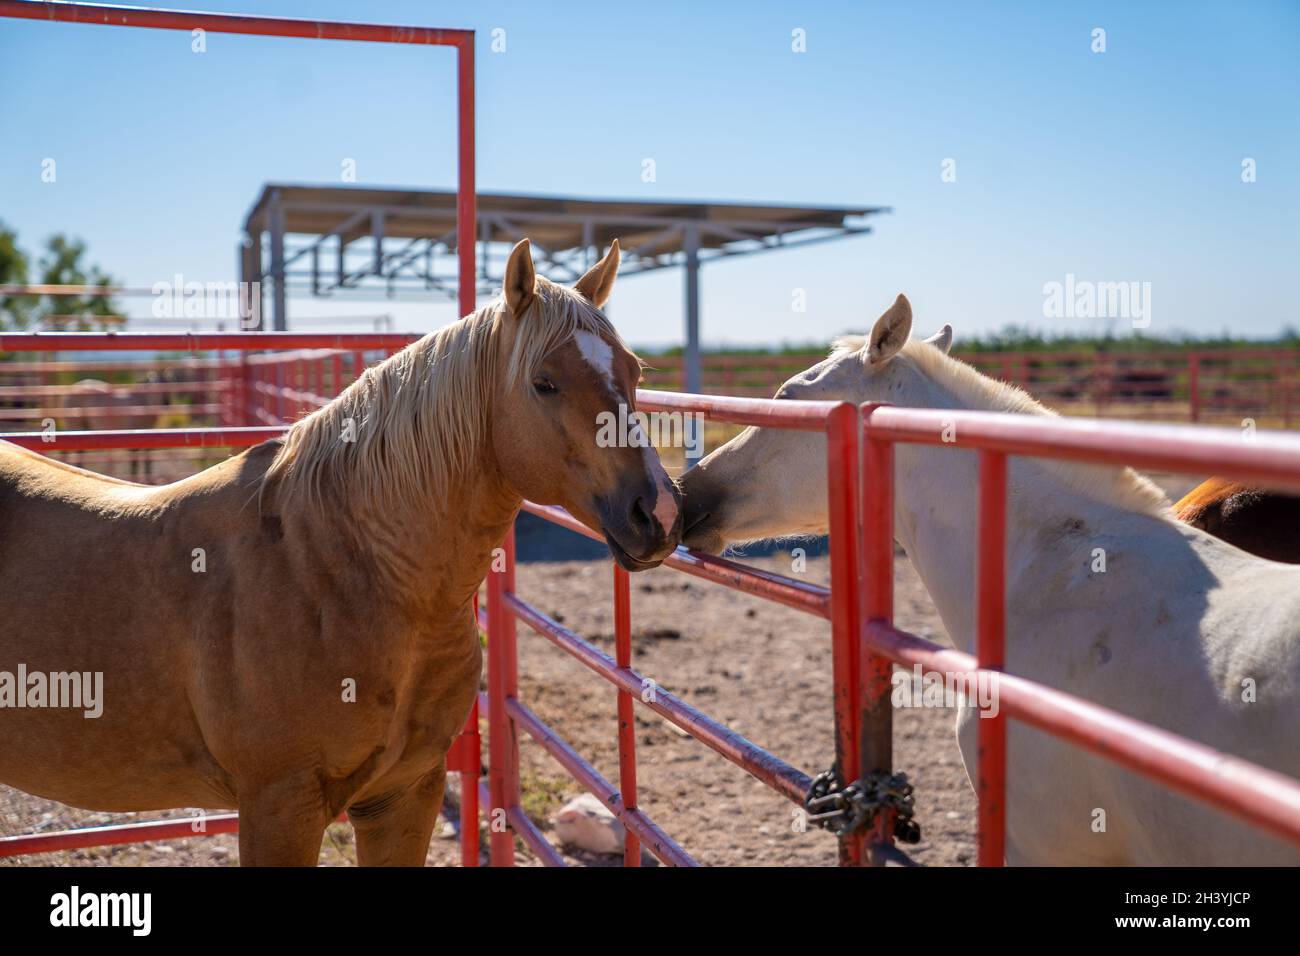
x: 1210, y: 385
x: 858, y: 605
x: 507, y: 714
x: 461, y: 40
x: 1260, y: 796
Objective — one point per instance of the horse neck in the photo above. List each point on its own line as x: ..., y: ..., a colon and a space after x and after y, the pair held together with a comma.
x: 936, y: 518
x: 426, y: 528
x: 429, y: 559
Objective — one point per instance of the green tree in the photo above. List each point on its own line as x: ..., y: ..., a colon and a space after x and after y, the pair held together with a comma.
x: 16, y: 311
x: 62, y: 265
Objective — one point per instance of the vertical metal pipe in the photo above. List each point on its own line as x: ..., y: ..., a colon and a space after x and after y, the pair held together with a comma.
x: 991, y: 561
x: 281, y: 377
x: 244, y: 411
x: 280, y: 307
x: 626, y: 718
x: 501, y: 743
x: 1284, y: 389
x: 876, y: 711
x: 846, y: 619
x: 466, y: 200
x: 251, y: 298
x: 471, y: 767
x: 377, y: 234
x: 691, y: 359
x: 1194, y: 385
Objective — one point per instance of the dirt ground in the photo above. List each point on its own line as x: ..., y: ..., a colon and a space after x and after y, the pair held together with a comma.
x: 763, y: 669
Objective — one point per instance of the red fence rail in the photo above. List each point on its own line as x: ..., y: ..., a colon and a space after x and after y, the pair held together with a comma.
x: 1220, y: 385
x: 1252, y: 793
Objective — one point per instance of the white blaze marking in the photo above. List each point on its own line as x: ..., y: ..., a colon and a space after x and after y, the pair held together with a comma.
x: 598, y: 353
x: 665, y: 506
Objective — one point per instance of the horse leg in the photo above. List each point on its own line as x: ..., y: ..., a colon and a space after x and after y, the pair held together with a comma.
x: 395, y: 829
x: 281, y: 825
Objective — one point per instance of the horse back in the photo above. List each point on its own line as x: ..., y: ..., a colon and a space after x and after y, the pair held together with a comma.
x: 1262, y: 522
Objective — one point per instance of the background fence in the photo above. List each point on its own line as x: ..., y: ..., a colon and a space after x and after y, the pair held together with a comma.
x: 163, y: 382
x: 1198, y: 385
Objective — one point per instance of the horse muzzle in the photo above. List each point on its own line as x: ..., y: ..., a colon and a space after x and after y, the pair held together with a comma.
x: 702, y: 513
x: 635, y: 531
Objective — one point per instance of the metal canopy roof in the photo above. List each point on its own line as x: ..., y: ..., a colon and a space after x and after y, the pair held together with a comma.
x: 410, y: 232
x: 352, y: 240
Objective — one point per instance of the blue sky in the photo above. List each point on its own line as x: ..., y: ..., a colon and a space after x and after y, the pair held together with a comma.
x: 1114, y: 167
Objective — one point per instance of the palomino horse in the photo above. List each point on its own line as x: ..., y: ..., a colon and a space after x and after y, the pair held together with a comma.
x: 291, y: 632
x: 1266, y: 523
x: 1180, y: 630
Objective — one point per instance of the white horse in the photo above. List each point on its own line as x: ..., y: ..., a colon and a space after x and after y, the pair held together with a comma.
x: 1180, y: 630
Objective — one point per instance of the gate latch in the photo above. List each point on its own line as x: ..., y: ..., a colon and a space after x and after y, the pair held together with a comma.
x: 844, y: 810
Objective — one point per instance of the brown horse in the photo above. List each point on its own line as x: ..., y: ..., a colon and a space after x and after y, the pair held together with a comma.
x: 291, y: 632
x: 1266, y: 523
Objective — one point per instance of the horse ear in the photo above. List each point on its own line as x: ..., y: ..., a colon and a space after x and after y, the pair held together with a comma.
x: 521, y: 279
x: 942, y: 340
x: 890, y: 332
x: 598, y: 283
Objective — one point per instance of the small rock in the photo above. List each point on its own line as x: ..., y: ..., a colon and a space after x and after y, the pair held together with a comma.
x: 586, y: 823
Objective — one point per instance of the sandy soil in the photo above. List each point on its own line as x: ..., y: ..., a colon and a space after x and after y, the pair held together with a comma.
x: 761, y: 668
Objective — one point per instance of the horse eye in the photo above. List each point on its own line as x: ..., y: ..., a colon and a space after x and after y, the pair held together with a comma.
x: 544, y: 386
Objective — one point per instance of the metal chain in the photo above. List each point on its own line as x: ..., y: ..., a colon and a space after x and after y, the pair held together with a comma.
x: 849, y: 809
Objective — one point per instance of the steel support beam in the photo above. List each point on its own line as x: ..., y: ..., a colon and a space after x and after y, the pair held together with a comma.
x: 691, y: 359
x: 280, y: 300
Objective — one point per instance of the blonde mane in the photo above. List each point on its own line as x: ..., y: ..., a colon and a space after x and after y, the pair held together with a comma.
x: 1122, y: 487
x: 414, y: 425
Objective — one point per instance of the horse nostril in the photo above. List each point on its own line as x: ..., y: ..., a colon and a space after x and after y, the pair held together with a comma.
x: 640, y: 516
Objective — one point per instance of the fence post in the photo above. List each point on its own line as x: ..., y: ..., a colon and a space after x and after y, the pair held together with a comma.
x: 877, y: 562
x: 1284, y: 392
x: 846, y: 620
x: 471, y: 765
x: 626, y: 717
x: 1194, y: 385
x: 991, y: 563
x: 243, y: 411
x: 503, y: 744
